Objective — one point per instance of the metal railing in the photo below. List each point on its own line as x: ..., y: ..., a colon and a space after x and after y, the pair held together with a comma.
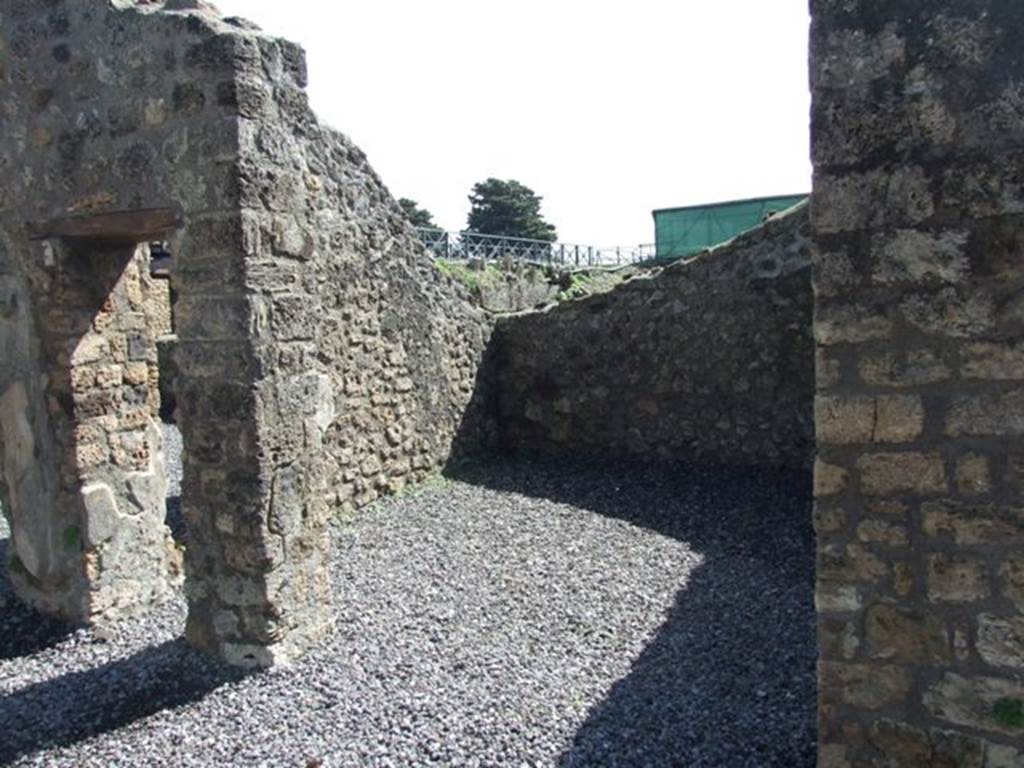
x: 471, y: 246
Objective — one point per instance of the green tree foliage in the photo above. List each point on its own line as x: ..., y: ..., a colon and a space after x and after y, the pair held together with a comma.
x: 420, y: 217
x: 507, y: 208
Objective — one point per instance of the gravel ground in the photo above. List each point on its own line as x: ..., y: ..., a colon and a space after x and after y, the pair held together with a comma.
x: 528, y: 614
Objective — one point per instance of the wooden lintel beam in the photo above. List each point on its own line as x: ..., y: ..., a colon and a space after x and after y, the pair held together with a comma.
x: 116, y: 226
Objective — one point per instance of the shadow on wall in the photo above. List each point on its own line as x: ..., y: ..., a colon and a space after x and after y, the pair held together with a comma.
x: 54, y: 714
x: 729, y: 677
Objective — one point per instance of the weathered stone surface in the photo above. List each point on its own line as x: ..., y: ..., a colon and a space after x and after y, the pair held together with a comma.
x: 916, y: 217
x: 987, y: 415
x: 915, y: 256
x: 828, y: 479
x: 1001, y: 640
x: 836, y: 597
x: 973, y: 475
x: 887, y: 473
x: 845, y: 420
x: 898, y: 418
x: 989, y: 361
x: 1002, y: 756
x: 910, y: 747
x: 869, y: 686
x: 956, y: 578
x: 852, y: 563
x: 906, y: 635
x: 909, y: 369
x: 1011, y: 576
x: 101, y: 514
x: 882, y: 532
x: 973, y: 524
x: 849, y: 324
x: 974, y: 702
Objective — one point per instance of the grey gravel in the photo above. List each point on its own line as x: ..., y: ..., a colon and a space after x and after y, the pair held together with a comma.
x: 528, y: 614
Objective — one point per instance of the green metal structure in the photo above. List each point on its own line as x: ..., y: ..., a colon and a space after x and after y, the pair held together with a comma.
x: 687, y: 230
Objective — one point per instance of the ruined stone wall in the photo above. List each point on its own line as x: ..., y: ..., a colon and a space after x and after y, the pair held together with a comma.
x: 918, y: 132
x: 709, y: 359
x: 321, y: 359
x: 379, y: 346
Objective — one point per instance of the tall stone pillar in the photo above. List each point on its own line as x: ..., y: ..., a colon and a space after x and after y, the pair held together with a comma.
x: 918, y: 218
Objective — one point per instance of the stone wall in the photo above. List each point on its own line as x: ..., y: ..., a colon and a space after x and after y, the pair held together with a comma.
x: 321, y: 359
x: 709, y: 359
x: 371, y: 339
x: 918, y: 132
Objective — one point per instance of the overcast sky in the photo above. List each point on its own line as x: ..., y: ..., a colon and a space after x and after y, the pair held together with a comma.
x: 606, y: 109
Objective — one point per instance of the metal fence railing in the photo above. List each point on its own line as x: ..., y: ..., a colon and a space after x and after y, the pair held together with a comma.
x: 471, y: 246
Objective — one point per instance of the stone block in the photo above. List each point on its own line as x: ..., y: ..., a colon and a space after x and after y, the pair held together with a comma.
x: 881, y: 532
x: 838, y: 639
x: 101, y: 514
x: 836, y: 597
x: 972, y: 525
x: 957, y: 578
x: 1002, y: 756
x: 910, y: 369
x: 834, y: 273
x: 914, y: 256
x: 898, y: 419
x: 828, y: 519
x: 987, y: 415
x: 843, y: 324
x: 973, y: 475
x: 993, y: 361
x: 906, y: 746
x: 826, y: 369
x: 844, y: 419
x: 865, y: 686
x: 829, y: 479
x: 907, y: 635
x: 1011, y: 578
x: 950, y: 313
x: 891, y: 473
x: 1001, y: 640
x: 849, y: 564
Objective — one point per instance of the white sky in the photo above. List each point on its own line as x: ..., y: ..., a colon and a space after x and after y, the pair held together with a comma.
x: 607, y: 108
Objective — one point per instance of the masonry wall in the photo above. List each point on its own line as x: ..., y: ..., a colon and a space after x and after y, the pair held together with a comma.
x: 101, y: 111
x: 321, y: 359
x: 918, y: 132
x: 380, y: 348
x: 708, y: 360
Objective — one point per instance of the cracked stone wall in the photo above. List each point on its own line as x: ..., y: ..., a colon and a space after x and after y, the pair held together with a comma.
x: 918, y: 145
x: 709, y: 359
x: 321, y: 360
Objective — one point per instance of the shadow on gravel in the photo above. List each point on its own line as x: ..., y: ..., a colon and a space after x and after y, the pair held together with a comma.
x: 176, y: 521
x: 729, y: 678
x: 86, y: 704
x: 25, y: 631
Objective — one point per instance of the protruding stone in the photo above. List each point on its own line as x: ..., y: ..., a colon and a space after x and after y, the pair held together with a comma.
x: 101, y: 513
x: 888, y: 473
